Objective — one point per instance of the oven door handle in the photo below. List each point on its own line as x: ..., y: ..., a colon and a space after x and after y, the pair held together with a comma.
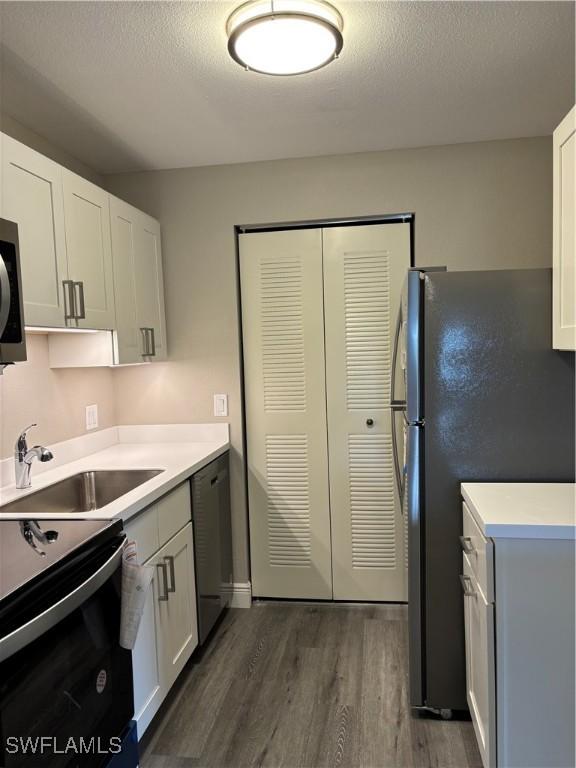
x: 40, y: 624
x: 4, y: 296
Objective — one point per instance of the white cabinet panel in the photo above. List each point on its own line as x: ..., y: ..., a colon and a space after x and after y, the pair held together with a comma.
x: 149, y: 687
x: 480, y: 554
x: 128, y: 347
x: 168, y: 632
x: 143, y: 529
x: 31, y: 195
x: 150, y: 287
x: 174, y: 512
x: 138, y: 285
x: 87, y: 223
x: 564, y: 234
x: 520, y: 663
x: 480, y: 669
x: 177, y: 613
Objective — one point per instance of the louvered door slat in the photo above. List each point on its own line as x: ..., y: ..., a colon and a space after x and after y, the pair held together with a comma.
x: 363, y: 273
x: 283, y: 339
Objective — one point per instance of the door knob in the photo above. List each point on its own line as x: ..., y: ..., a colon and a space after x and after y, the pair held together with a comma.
x: 369, y: 422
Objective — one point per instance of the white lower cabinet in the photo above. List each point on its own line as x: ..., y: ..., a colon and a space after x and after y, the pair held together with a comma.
x: 147, y: 662
x: 519, y: 616
x: 480, y: 671
x: 176, y: 603
x: 168, y: 632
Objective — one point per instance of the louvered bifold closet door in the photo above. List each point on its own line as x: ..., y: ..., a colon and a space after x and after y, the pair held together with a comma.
x: 285, y: 394
x: 364, y: 268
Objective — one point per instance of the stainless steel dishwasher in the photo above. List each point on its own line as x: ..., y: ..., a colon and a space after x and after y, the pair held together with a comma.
x: 212, y: 542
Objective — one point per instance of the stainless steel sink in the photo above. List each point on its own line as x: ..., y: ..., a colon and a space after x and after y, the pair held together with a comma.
x: 84, y: 492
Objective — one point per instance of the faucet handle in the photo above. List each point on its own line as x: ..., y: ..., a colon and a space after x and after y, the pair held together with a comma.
x: 21, y: 442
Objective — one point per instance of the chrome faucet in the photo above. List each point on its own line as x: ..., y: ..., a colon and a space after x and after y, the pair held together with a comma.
x: 32, y: 532
x: 23, y: 459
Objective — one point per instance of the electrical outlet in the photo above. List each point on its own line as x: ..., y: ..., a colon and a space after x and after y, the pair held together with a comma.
x: 220, y: 405
x: 91, y: 416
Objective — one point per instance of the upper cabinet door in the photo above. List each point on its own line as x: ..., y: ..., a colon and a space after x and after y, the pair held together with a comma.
x: 123, y: 224
x: 564, y: 234
x: 31, y: 195
x: 150, y: 288
x: 87, y: 223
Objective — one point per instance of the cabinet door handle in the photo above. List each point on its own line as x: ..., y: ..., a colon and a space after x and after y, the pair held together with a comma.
x: 466, y: 543
x: 162, y: 567
x: 145, y: 342
x: 69, y: 302
x: 468, y: 591
x: 172, y: 586
x: 81, y: 314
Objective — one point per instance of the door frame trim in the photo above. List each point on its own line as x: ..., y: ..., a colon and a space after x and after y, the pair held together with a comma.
x: 242, y: 229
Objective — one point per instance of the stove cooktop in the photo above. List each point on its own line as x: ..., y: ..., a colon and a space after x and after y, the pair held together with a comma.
x: 28, y: 547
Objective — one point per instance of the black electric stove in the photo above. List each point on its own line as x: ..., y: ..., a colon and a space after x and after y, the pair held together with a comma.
x: 65, y: 682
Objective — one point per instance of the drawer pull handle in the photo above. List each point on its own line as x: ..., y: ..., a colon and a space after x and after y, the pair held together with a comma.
x: 468, y: 591
x: 164, y: 596
x: 466, y: 543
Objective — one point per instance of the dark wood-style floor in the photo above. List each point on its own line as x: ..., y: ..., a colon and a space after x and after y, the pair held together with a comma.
x: 304, y: 686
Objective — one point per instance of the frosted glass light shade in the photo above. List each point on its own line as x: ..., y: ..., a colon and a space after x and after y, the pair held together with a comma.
x: 284, y: 37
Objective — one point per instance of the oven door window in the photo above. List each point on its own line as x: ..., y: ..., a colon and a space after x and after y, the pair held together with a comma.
x: 72, y: 684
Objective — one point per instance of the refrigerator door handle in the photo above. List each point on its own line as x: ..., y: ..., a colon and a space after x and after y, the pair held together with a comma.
x: 398, y: 471
x: 395, y: 355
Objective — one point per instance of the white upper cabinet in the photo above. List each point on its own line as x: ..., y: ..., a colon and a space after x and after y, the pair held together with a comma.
x: 128, y: 347
x: 31, y: 195
x: 87, y: 226
x: 88, y: 261
x: 564, y: 234
x: 150, y: 288
x: 138, y: 284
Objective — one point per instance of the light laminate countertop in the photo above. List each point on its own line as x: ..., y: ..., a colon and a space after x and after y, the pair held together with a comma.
x: 523, y: 510
x: 178, y: 450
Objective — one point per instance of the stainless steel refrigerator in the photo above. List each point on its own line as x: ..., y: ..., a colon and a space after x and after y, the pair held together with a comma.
x: 483, y: 397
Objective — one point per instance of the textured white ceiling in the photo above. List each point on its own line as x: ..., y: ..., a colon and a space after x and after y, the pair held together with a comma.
x: 134, y: 85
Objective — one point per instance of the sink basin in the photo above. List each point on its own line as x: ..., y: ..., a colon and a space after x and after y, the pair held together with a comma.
x: 84, y: 492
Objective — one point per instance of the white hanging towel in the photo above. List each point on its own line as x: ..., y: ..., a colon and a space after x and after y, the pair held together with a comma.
x: 135, y: 582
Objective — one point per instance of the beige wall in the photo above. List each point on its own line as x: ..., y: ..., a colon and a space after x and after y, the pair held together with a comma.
x: 54, y: 399
x: 31, y: 391
x: 19, y: 132
x: 478, y: 206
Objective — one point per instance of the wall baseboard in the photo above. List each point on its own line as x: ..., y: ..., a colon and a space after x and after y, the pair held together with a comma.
x: 240, y: 594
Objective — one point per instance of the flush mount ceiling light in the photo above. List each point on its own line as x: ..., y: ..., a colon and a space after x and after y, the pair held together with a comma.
x: 284, y: 37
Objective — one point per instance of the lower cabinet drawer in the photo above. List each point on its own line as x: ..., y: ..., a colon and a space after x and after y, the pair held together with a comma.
x: 480, y: 553
x: 143, y: 529
x: 174, y: 512
x: 480, y: 666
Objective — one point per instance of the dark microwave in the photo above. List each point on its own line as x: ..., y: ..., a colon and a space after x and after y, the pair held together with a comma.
x: 12, y: 336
